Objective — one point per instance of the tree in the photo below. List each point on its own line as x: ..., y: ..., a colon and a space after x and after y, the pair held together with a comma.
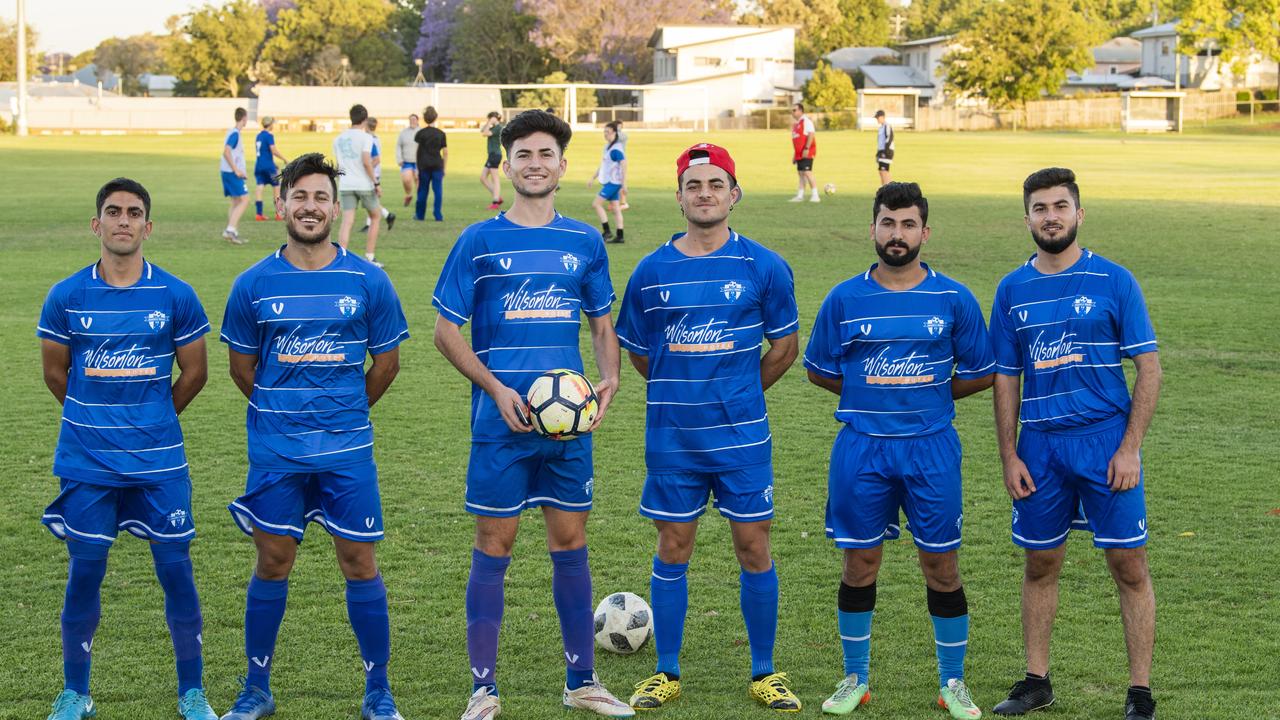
x: 434, y: 31
x: 9, y: 51
x: 129, y: 58
x: 212, y: 49
x: 490, y: 43
x: 827, y: 25
x: 554, y: 97
x: 1018, y: 50
x: 1239, y: 29
x: 931, y: 18
x: 358, y: 28
x: 829, y: 89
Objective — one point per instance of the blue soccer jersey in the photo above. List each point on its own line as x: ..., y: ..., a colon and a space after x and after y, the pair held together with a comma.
x: 232, y: 140
x: 524, y: 289
x: 118, y: 422
x: 311, y: 330
x: 1066, y: 334
x: 264, y: 161
x: 702, y: 321
x: 896, y: 351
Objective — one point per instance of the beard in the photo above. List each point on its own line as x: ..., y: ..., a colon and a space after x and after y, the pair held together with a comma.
x: 1055, y: 246
x: 535, y: 194
x: 897, y: 260
x: 308, y: 237
x: 705, y: 222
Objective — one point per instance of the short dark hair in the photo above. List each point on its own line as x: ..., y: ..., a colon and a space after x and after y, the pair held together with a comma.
x: 358, y: 114
x: 241, y: 114
x: 494, y: 114
x: 429, y: 115
x: 1047, y: 178
x: 799, y: 106
x: 124, y: 184
x: 373, y: 123
x: 413, y: 115
x: 899, y: 196
x: 536, y: 121
x: 304, y: 165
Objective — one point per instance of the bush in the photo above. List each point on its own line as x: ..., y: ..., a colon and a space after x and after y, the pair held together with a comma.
x: 829, y: 89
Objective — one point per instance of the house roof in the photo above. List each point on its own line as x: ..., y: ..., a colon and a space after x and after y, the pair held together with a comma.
x: 926, y: 41
x: 1169, y: 28
x: 849, y: 58
x: 1118, y: 50
x: 158, y: 82
x: 895, y: 76
x: 1118, y: 81
x: 657, y: 39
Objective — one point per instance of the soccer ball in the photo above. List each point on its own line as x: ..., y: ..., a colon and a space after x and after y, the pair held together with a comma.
x: 562, y: 404
x: 829, y: 188
x: 623, y: 623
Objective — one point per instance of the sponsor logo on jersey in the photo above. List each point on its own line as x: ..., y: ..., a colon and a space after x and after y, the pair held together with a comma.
x: 157, y: 320
x: 880, y: 369
x: 732, y: 290
x: 935, y: 325
x: 570, y: 262
x: 1083, y: 305
x: 1054, y: 353
x: 706, y: 337
x: 132, y: 361
x: 523, y: 304
x: 291, y: 348
x: 348, y: 306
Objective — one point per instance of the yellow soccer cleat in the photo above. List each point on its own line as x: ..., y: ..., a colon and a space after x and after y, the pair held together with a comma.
x: 654, y: 692
x: 772, y: 692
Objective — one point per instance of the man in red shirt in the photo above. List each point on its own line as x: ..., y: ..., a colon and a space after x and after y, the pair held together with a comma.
x: 805, y: 144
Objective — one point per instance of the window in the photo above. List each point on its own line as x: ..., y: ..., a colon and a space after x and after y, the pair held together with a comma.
x: 1164, y: 48
x: 707, y: 61
x: 751, y: 65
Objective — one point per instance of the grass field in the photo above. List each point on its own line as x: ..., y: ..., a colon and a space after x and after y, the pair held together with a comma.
x: 1195, y: 217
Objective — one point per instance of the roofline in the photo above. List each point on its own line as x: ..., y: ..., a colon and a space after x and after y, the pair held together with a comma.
x: 927, y: 41
x: 755, y: 30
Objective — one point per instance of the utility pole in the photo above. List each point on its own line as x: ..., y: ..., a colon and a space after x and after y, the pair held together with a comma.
x: 22, y: 68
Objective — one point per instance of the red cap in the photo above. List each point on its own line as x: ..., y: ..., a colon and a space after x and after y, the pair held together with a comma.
x: 705, y: 154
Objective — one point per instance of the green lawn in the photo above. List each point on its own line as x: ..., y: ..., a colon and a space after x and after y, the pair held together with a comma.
x: 1195, y: 218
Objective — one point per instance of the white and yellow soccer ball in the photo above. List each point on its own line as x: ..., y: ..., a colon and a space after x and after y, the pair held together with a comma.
x: 562, y: 404
x: 829, y: 188
x: 624, y: 623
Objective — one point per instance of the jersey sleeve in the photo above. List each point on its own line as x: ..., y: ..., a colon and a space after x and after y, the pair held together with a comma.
x: 375, y: 152
x: 781, y: 315
x: 617, y: 155
x: 53, y: 318
x: 189, y: 320
x: 970, y: 342
x: 597, y: 287
x: 631, y: 315
x: 1004, y: 337
x: 387, y: 325
x: 239, y: 325
x: 1137, y: 336
x: 455, y: 290
x: 808, y: 128
x: 444, y: 139
x: 233, y: 140
x: 823, y: 353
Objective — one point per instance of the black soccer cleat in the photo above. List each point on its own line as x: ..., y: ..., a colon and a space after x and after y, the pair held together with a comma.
x: 1026, y: 695
x: 607, y: 236
x: 391, y: 221
x: 1139, y: 705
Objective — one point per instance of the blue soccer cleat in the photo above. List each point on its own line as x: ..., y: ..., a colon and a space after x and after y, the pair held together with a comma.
x: 193, y: 705
x: 71, y: 705
x: 379, y: 705
x: 252, y: 703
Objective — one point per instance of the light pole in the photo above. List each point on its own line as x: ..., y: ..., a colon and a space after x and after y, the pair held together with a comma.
x: 419, y: 81
x: 22, y: 68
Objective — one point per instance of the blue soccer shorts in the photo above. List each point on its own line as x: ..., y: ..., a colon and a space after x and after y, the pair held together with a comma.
x: 345, y: 502
x: 95, y: 513
x: 505, y: 478
x: 741, y: 494
x: 610, y: 191
x: 1070, y: 474
x: 408, y: 166
x: 872, y: 477
x: 233, y: 185
x: 265, y: 176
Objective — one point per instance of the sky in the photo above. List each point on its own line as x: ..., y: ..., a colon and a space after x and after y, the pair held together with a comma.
x: 76, y: 25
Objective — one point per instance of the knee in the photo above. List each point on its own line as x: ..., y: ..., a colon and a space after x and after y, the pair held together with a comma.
x: 941, y: 572
x: 274, y: 564
x: 674, y: 549
x: 1042, y: 568
x: 859, y: 570
x: 753, y: 554
x: 357, y: 561
x: 494, y: 543
x: 1129, y: 569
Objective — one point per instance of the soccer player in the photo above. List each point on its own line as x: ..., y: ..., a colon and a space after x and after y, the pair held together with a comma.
x: 376, y: 156
x: 899, y: 343
x: 884, y: 147
x: 406, y: 158
x: 612, y: 174
x: 525, y: 279
x: 264, y: 168
x: 433, y: 154
x: 298, y: 327
x: 353, y: 151
x: 109, y: 336
x: 1064, y: 321
x: 233, y: 176
x: 804, y: 145
x: 489, y: 176
x: 695, y: 314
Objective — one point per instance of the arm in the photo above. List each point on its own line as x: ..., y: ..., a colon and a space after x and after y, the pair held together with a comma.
x: 276, y: 152
x: 1017, y: 480
x: 366, y: 159
x: 193, y: 360
x: 399, y: 152
x: 444, y: 159
x: 1125, y: 467
x: 451, y: 344
x: 834, y: 385
x: 55, y: 358
x: 778, y: 359
x: 622, y: 173
x: 380, y: 374
x: 604, y: 340
x: 242, y: 370
x: 640, y: 363
x: 961, y: 387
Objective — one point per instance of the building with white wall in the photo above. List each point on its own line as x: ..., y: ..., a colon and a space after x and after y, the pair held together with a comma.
x: 1204, y: 70
x: 726, y: 70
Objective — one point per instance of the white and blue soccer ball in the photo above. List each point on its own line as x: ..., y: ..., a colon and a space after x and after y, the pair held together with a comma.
x: 562, y: 404
x: 624, y: 623
x: 829, y: 188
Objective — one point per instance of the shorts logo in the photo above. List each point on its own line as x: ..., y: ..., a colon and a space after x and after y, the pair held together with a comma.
x: 277, y: 308
x: 865, y: 328
x: 200, y: 638
x: 1142, y: 525
x: 348, y: 306
x: 178, y: 518
x: 86, y: 321
x: 1022, y: 315
x: 935, y: 325
x: 665, y: 295
x: 505, y: 263
x: 1083, y: 305
x: 570, y: 262
x: 732, y: 290
x: 368, y: 522
x: 768, y: 494
x: 156, y: 320
x: 1015, y: 516
x: 589, y: 486
x: 959, y: 522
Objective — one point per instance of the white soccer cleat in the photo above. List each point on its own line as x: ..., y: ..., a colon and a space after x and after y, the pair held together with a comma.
x: 798, y: 198
x: 814, y: 198
x: 594, y: 697
x: 483, y: 705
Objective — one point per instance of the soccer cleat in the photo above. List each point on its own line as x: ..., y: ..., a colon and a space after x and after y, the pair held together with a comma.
x: 797, y: 198
x: 193, y: 705
x: 364, y: 229
x: 654, y: 692
x: 772, y: 692
x: 408, y: 199
x: 376, y: 263
x: 379, y: 705
x: 849, y: 696
x: 814, y: 198
x: 607, y: 235
x: 71, y: 705
x: 1025, y: 696
x: 232, y: 237
x: 495, y: 205
x: 624, y: 206
x: 391, y: 221
x: 1139, y: 705
x: 279, y: 216
x: 260, y: 218
x: 954, y: 698
x: 594, y: 697
x: 614, y: 240
x: 252, y: 703
x: 483, y: 705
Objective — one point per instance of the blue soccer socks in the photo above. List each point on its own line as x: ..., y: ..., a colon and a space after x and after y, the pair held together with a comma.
x: 571, y: 591
x: 758, y: 595
x: 484, y: 617
x: 181, y: 611
x: 950, y: 614
x: 81, y: 610
x: 263, y: 613
x: 367, y: 610
x: 669, y: 596
x: 856, y: 607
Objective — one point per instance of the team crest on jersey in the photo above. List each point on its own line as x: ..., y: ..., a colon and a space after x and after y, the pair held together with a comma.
x: 732, y: 290
x: 959, y: 522
x: 157, y: 320
x: 86, y: 321
x: 935, y: 325
x: 768, y: 494
x: 348, y: 306
x: 570, y: 262
x: 178, y: 518
x: 588, y: 486
x: 1083, y: 305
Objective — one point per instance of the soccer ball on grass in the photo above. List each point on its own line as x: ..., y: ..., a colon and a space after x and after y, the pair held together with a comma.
x: 829, y: 188
x: 623, y: 623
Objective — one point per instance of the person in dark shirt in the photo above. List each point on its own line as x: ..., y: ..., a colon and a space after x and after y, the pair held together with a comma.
x: 432, y: 155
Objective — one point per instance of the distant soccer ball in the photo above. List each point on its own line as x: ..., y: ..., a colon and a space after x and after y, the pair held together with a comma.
x: 624, y: 623
x: 829, y: 188
x: 562, y: 404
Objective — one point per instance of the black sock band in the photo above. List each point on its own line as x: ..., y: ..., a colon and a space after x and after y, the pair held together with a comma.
x: 1037, y: 678
x: 857, y: 599
x: 605, y: 226
x: 947, y: 604
x: 619, y: 233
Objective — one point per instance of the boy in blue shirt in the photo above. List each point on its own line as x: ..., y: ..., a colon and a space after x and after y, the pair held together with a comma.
x: 264, y: 168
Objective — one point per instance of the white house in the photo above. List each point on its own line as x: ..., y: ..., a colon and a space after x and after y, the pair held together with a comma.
x: 1117, y: 56
x: 924, y: 57
x: 1160, y: 58
x: 728, y: 69
x: 849, y: 59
